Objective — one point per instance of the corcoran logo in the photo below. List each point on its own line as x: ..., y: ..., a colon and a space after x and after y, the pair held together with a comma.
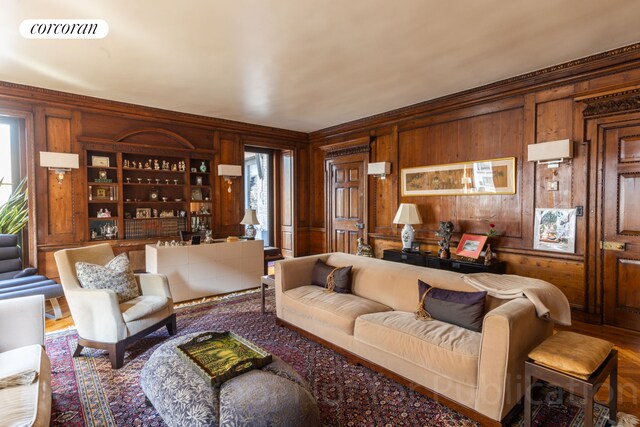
x: 64, y: 28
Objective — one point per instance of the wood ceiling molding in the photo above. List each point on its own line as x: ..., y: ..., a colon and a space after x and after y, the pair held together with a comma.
x: 346, y: 148
x: 588, y: 67
x: 15, y: 91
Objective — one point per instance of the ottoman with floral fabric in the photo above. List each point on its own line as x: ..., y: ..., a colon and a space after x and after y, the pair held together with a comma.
x: 274, y: 395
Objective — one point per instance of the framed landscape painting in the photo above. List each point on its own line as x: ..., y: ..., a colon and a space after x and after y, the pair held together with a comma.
x: 555, y: 230
x: 494, y: 176
x: 471, y: 245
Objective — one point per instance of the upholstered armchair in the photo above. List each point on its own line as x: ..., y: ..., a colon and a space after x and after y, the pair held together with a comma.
x: 101, y: 321
x: 26, y: 403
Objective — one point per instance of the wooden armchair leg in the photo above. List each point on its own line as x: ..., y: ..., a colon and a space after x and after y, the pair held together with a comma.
x: 116, y: 354
x: 79, y: 348
x: 172, y: 327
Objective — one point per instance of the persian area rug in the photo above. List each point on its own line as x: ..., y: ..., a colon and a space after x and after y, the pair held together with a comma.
x: 86, y: 391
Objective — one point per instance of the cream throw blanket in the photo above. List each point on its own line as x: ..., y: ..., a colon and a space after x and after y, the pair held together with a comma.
x: 549, y: 301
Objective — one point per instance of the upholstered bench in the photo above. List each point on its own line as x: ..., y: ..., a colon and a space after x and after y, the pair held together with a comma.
x: 577, y: 363
x: 275, y: 395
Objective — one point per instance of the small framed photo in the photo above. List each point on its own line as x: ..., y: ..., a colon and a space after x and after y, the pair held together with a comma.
x: 101, y: 161
x: 415, y: 247
x: 471, y: 245
x: 143, y: 212
x: 196, y: 194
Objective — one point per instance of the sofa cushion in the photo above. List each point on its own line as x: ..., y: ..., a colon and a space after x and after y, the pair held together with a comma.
x: 115, y: 275
x: 448, y: 350
x: 330, y: 308
x: 341, y: 277
x: 19, y: 405
x: 141, y: 306
x: 464, y: 309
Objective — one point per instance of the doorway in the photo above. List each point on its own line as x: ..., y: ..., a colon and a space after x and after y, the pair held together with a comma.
x: 347, y: 204
x: 620, y: 223
x: 258, y: 191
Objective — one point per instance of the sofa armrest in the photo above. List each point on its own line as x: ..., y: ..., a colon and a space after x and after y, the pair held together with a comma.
x: 294, y: 272
x: 509, y: 333
x: 154, y: 284
x: 96, y: 313
x: 22, y: 321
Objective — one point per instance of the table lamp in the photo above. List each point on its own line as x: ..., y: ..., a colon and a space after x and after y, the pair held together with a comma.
x: 250, y: 219
x: 407, y: 214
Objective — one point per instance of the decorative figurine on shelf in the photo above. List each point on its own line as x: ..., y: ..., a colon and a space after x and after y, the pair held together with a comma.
x: 165, y: 165
x: 182, y: 166
x: 94, y: 234
x: 203, y: 167
x: 364, y: 249
x: 140, y: 165
x: 125, y: 163
x: 155, y: 213
x: 488, y: 255
x: 156, y: 164
x: 444, y: 232
x: 174, y: 167
x: 207, y: 236
x: 147, y: 165
x: 104, y: 213
x: 204, y: 210
x: 109, y: 230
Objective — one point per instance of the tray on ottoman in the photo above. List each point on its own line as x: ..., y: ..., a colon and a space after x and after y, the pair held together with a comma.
x: 220, y: 356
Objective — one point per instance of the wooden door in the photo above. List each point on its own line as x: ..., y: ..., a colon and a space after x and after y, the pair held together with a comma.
x: 620, y: 240
x: 347, y: 202
x: 287, y: 204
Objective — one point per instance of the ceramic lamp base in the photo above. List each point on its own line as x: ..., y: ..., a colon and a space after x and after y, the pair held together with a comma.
x: 408, y: 234
x: 250, y: 231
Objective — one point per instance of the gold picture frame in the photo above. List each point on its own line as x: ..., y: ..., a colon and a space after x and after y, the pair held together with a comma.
x: 100, y: 161
x: 480, y: 177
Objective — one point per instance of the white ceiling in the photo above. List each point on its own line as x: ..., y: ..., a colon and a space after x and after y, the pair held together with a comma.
x: 301, y: 64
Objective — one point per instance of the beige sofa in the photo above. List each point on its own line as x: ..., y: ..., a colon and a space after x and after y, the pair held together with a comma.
x: 478, y: 373
x: 21, y: 350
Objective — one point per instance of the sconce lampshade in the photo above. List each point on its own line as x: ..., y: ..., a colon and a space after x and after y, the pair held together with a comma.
x: 53, y: 160
x: 408, y: 214
x: 250, y: 218
x: 229, y: 170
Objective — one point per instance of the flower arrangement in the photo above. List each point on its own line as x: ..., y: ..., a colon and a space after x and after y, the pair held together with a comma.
x: 492, y: 231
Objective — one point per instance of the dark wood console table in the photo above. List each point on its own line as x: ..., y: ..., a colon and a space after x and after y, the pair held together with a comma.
x: 424, y: 259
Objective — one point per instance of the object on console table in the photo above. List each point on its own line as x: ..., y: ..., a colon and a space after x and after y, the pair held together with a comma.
x: 451, y: 264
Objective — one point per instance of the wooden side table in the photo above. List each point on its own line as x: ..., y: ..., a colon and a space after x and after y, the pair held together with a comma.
x: 583, y: 388
x: 268, y: 280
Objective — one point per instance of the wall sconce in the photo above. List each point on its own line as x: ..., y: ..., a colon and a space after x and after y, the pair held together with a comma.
x: 229, y: 172
x: 550, y: 153
x: 59, y: 162
x: 250, y: 219
x: 379, y: 169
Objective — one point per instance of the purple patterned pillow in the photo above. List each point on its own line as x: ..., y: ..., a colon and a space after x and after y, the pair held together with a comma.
x: 465, y: 309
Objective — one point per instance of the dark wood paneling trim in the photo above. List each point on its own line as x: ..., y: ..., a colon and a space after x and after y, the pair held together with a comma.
x: 174, y: 136
x: 609, y: 62
x: 10, y: 90
x: 357, y: 360
x: 623, y: 102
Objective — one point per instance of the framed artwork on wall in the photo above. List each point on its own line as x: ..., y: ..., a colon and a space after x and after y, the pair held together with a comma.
x: 481, y: 177
x: 555, y: 230
x: 471, y: 245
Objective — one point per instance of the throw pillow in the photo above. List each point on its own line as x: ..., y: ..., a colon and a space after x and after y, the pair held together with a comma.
x: 341, y: 277
x: 465, y: 309
x: 116, y: 275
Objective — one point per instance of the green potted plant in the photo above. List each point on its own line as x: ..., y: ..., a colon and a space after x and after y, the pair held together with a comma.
x: 14, y: 214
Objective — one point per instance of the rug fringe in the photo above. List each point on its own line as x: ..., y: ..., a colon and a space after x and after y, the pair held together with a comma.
x: 627, y: 420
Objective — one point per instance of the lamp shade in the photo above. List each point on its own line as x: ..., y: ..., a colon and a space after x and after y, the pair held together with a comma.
x: 229, y: 170
x: 53, y: 160
x: 408, y: 214
x: 250, y: 218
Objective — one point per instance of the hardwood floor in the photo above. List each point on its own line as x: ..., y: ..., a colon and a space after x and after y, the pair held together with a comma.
x: 627, y: 342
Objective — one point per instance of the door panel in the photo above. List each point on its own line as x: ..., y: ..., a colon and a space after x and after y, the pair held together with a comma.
x: 621, y: 227
x: 347, y: 207
x: 287, y: 190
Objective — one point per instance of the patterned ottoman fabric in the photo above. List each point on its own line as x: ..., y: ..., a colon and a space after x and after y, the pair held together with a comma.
x: 275, y: 395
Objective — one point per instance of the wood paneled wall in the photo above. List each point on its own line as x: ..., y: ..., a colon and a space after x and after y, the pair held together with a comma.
x: 62, y: 122
x: 495, y: 121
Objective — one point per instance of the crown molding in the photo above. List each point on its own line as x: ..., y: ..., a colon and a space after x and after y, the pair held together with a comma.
x: 31, y: 94
x: 603, y: 63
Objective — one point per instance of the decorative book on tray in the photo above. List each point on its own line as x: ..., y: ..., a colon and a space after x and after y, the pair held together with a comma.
x: 220, y: 356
